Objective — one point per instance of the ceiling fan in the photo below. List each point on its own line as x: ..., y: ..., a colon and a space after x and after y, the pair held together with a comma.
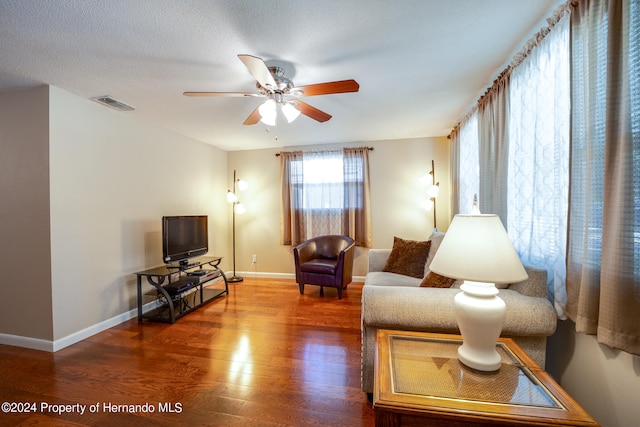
x: 280, y: 91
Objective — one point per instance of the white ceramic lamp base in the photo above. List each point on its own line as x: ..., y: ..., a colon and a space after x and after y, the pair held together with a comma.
x: 480, y: 316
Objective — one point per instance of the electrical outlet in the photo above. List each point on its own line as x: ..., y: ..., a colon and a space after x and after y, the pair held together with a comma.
x: 254, y: 259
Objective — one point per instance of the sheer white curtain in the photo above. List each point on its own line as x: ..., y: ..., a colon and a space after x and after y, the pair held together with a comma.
x: 469, y: 181
x: 526, y: 166
x: 323, y: 191
x: 538, y: 176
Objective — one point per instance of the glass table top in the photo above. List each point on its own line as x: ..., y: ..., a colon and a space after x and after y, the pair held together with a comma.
x: 430, y: 367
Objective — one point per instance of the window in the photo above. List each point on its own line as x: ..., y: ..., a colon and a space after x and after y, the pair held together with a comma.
x: 603, y: 273
x: 322, y: 178
x: 537, y: 139
x: 538, y: 177
x: 574, y: 165
x: 325, y: 192
x: 469, y: 163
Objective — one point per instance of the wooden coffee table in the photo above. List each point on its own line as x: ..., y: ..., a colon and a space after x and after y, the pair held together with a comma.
x: 419, y: 381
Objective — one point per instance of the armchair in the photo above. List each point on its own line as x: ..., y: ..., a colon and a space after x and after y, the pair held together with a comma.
x: 324, y: 261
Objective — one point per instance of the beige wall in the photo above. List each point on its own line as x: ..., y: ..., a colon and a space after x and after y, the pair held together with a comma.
x: 83, y: 189
x: 606, y: 382
x: 25, y: 256
x: 113, y: 177
x: 396, y: 197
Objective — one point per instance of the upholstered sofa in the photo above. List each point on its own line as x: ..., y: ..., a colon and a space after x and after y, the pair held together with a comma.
x: 396, y: 301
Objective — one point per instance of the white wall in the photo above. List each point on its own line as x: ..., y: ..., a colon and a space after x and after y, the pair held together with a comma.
x: 112, y: 179
x: 397, y: 193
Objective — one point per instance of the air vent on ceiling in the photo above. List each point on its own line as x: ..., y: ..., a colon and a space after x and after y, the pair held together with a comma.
x: 112, y: 103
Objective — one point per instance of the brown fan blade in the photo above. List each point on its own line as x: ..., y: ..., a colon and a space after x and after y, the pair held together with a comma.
x: 238, y: 94
x: 253, y: 118
x: 341, y: 86
x: 259, y: 69
x: 310, y: 111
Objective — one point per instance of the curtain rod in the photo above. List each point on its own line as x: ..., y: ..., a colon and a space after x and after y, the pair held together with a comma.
x: 316, y: 151
x: 559, y: 13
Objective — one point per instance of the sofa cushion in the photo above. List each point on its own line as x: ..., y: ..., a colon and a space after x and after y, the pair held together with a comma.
x: 435, y: 280
x: 319, y: 266
x: 379, y: 278
x: 435, y: 239
x: 408, y: 257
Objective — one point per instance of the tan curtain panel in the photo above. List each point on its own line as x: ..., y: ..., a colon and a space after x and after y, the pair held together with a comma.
x: 454, y: 151
x: 493, y: 135
x: 603, y: 260
x: 291, y: 221
x: 357, y: 196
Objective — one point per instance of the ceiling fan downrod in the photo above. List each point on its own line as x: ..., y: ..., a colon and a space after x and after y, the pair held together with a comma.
x: 283, y: 84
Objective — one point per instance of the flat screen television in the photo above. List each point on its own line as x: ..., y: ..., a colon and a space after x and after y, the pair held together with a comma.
x: 184, y: 237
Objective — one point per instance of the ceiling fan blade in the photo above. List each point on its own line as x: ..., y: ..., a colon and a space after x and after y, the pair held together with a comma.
x: 341, y: 86
x: 238, y: 94
x: 259, y: 69
x: 253, y: 118
x: 310, y: 111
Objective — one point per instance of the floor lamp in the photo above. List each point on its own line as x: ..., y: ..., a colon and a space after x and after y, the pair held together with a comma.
x: 238, y: 208
x: 432, y: 193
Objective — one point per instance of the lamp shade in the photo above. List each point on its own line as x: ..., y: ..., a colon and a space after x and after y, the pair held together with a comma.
x: 290, y: 112
x: 433, y: 190
x: 239, y: 208
x: 268, y: 112
x: 242, y: 185
x: 231, y: 197
x: 478, y: 248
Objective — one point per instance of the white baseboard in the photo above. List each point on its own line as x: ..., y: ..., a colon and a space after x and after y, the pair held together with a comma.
x: 269, y: 275
x: 262, y: 274
x: 26, y: 342
x: 53, y: 346
x: 99, y: 327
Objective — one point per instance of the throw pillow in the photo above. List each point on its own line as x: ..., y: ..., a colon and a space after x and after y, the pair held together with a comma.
x: 408, y: 257
x: 435, y: 238
x: 435, y: 280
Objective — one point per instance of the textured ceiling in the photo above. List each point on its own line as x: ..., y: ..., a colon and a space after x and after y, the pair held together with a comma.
x: 420, y: 63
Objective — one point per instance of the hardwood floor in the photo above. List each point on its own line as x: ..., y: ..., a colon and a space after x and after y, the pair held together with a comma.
x: 262, y: 356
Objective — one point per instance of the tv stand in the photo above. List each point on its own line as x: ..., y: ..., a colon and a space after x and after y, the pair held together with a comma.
x: 182, y: 292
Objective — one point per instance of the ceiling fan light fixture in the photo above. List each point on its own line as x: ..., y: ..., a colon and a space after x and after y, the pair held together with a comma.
x: 268, y: 112
x: 268, y: 108
x: 269, y: 121
x: 290, y: 111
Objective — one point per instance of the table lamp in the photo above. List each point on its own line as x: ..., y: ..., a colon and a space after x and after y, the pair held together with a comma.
x: 477, y: 249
